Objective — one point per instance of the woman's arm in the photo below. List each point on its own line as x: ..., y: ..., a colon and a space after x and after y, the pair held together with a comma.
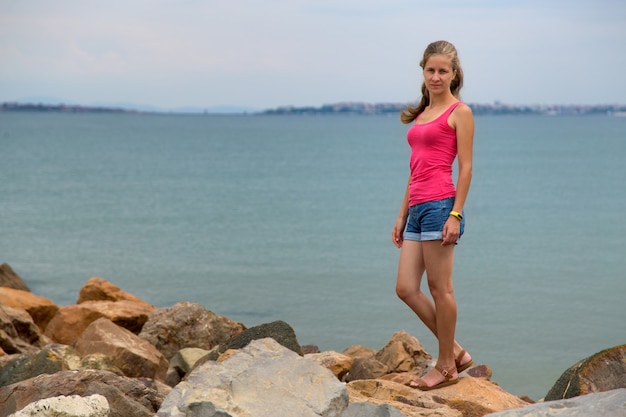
x: 463, y: 122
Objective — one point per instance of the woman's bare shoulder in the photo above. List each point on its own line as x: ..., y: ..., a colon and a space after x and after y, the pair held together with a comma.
x: 461, y: 115
x: 463, y: 109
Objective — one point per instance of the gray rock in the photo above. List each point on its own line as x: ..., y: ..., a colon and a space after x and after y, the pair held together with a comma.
x: 264, y: 379
x: 52, y: 358
x: 371, y: 410
x: 62, y: 406
x: 604, y: 404
x: 186, y: 325
x: 280, y: 331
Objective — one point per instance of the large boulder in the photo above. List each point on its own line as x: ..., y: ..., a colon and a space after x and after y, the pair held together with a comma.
x: 135, y: 356
x: 264, y: 379
x: 411, y: 402
x: 70, y: 321
x: 186, y: 325
x: 98, y: 289
x: 603, y: 371
x: 126, y: 396
x: 18, y: 332
x: 73, y: 406
x: 41, y: 309
x: 602, y: 404
x: 474, y: 397
x: 8, y: 278
x: 470, y: 397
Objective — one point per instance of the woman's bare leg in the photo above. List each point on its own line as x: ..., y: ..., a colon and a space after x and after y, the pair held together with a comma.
x: 438, y: 261
x: 411, y: 268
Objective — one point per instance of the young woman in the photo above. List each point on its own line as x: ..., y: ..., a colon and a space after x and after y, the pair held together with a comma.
x: 431, y: 219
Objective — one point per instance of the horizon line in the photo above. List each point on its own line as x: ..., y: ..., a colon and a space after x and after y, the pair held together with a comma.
x: 340, y: 106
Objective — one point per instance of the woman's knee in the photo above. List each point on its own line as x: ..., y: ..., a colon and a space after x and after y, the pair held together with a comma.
x: 402, y: 291
x: 405, y: 292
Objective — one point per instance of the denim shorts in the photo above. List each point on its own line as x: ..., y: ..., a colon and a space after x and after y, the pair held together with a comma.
x: 426, y: 220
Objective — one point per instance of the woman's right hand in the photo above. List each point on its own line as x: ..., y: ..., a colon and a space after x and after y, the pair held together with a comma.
x: 397, y: 235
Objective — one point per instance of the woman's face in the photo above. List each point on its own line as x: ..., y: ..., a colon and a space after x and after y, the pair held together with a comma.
x: 438, y: 73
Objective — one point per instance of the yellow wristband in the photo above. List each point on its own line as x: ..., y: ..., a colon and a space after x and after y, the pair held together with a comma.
x: 457, y: 215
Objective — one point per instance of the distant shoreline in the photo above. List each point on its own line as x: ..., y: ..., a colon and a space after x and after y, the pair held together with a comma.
x: 478, y: 109
x: 355, y: 108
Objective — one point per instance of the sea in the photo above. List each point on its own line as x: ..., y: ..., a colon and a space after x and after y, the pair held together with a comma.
x: 262, y: 218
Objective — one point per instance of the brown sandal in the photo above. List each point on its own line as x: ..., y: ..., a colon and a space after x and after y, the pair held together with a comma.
x: 461, y: 367
x: 421, y: 384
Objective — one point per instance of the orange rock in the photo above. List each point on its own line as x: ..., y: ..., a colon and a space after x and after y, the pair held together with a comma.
x: 359, y: 351
x: 41, y: 309
x: 470, y: 397
x: 70, y: 321
x: 401, y: 377
x: 477, y: 397
x: 411, y: 402
x: 135, y: 356
x: 403, y: 353
x: 98, y: 289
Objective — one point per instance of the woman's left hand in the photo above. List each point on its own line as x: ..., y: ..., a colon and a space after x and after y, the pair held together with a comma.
x: 451, y: 231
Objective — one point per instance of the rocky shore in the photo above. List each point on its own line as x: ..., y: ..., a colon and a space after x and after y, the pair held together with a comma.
x: 113, y: 354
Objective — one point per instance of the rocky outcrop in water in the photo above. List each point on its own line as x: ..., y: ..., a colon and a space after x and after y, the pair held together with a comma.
x: 113, y: 354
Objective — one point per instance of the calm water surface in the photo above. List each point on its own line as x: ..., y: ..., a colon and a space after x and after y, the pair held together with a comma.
x: 264, y: 218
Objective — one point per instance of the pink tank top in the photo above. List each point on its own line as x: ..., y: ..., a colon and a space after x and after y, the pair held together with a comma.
x: 433, y: 149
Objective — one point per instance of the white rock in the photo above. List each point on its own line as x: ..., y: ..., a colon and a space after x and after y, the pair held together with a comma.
x: 264, y: 379
x: 72, y: 406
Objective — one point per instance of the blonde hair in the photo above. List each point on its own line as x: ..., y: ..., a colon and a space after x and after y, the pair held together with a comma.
x: 436, y: 48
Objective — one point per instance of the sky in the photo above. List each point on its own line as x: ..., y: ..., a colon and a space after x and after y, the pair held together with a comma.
x: 266, y: 54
